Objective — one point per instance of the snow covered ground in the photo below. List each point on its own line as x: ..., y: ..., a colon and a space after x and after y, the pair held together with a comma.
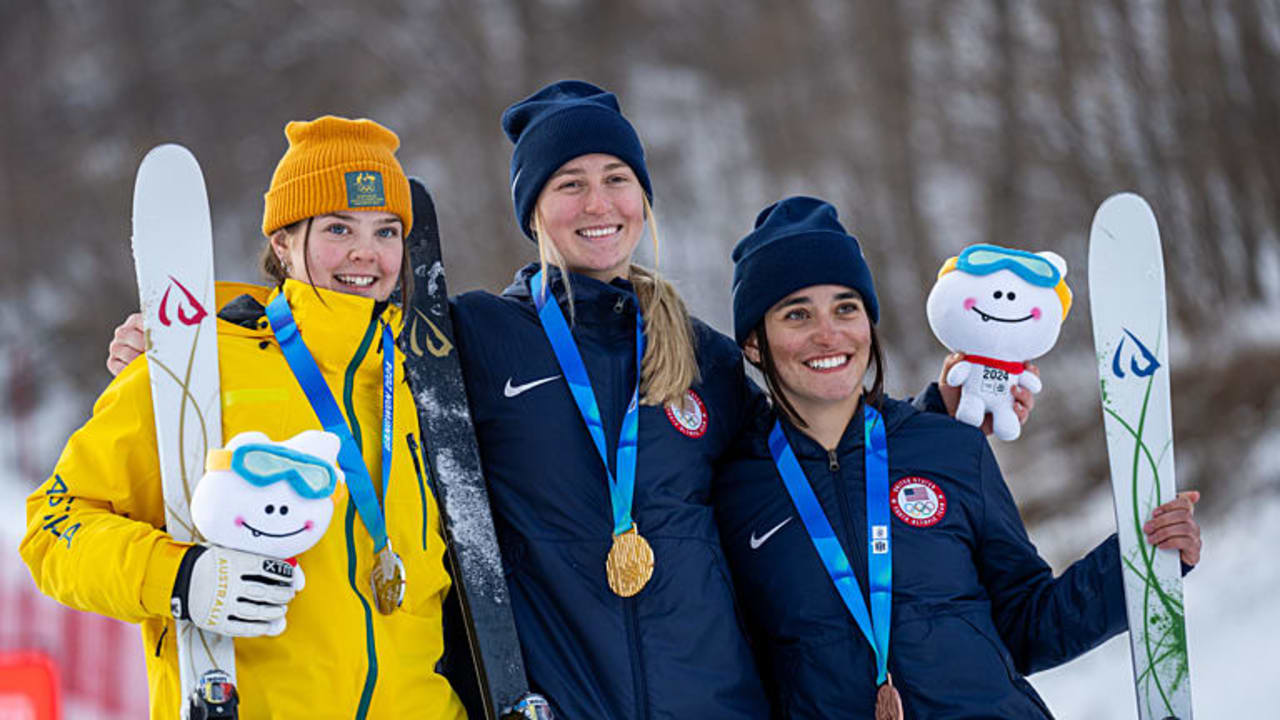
x: 1231, y: 601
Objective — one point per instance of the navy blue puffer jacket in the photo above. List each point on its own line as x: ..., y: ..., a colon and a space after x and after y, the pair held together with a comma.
x: 975, y: 608
x: 677, y: 649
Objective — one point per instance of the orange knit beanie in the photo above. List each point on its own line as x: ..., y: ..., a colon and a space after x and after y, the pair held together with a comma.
x: 335, y: 164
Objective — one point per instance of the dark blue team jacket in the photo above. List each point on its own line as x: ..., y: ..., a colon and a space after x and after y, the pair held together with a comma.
x: 974, y: 606
x: 677, y: 649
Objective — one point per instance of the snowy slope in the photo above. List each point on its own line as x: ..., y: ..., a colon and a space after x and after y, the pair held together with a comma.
x: 1231, y: 602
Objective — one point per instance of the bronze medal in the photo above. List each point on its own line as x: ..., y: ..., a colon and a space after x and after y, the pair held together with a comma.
x: 388, y: 580
x: 630, y: 563
x: 888, y: 701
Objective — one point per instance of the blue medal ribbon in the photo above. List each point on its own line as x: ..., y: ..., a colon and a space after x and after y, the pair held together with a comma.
x: 554, y: 326
x: 874, y: 625
x: 388, y: 403
x: 305, y: 370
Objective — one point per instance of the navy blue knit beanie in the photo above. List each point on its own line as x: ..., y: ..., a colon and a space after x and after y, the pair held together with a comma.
x: 797, y: 242
x: 557, y: 124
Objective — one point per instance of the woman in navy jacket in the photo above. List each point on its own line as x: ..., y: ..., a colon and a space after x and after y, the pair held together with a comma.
x: 973, y: 606
x: 664, y: 642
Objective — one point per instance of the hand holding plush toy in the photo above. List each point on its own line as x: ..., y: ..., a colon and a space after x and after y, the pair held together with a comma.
x: 1001, y: 308
x: 268, y: 498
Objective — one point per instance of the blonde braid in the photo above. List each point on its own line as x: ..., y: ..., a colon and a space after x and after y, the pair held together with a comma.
x: 670, y: 358
x: 670, y: 361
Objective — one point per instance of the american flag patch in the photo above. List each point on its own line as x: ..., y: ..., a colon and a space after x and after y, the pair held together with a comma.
x: 918, y: 501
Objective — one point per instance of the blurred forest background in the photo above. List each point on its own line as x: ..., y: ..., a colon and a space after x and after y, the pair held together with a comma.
x: 931, y: 125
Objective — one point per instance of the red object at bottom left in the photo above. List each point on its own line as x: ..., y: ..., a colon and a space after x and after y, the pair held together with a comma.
x: 28, y: 686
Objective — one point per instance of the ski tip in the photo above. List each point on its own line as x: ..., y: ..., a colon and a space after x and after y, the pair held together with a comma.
x: 423, y: 205
x: 1119, y: 216
x: 161, y: 163
x: 162, y: 167
x: 1126, y: 202
x: 168, y: 151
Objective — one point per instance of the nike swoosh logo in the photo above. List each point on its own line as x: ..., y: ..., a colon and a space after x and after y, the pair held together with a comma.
x: 514, y: 390
x: 756, y: 542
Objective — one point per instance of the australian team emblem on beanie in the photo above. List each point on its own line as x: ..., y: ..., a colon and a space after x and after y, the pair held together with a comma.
x: 364, y: 189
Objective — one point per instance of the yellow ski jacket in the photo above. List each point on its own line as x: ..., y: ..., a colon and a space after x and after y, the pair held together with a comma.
x: 95, y: 535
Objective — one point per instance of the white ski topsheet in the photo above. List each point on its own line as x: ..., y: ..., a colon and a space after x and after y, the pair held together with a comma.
x: 173, y: 255
x: 1126, y: 288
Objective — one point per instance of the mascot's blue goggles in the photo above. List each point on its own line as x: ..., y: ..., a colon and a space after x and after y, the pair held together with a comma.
x: 262, y: 465
x: 986, y: 259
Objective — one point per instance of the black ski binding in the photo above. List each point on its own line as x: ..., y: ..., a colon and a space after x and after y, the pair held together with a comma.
x: 215, y: 697
x: 531, y: 706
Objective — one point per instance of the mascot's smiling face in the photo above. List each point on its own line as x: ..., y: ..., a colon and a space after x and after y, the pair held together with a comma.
x: 993, y: 309
x: 269, y: 498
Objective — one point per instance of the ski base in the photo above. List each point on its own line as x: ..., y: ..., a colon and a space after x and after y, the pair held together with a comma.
x: 435, y: 376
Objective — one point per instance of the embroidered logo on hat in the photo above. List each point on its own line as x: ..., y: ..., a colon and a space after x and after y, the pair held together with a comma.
x: 364, y: 189
x: 691, y: 417
x: 918, y: 501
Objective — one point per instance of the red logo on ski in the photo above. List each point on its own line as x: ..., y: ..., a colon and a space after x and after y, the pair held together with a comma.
x: 189, y: 312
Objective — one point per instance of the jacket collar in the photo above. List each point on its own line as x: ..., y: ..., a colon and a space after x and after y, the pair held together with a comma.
x: 895, y: 412
x: 327, y: 318
x: 594, y: 302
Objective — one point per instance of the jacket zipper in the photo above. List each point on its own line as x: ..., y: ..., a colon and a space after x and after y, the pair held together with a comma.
x: 855, y: 548
x: 637, y: 659
x: 842, y: 492
x: 348, y: 390
x: 629, y: 606
x: 422, y: 489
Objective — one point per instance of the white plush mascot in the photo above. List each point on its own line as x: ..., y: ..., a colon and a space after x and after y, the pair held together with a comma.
x: 270, y: 498
x: 1001, y: 308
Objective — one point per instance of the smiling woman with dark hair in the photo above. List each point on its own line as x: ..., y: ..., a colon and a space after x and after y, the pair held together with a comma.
x: 908, y: 582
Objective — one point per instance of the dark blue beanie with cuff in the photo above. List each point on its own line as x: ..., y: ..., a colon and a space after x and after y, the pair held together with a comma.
x: 557, y: 124
x: 797, y: 242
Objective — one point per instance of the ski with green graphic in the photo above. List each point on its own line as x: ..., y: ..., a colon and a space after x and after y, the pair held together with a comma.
x: 1131, y: 338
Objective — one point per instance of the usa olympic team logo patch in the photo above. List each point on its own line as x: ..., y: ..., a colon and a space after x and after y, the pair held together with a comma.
x: 691, y: 417
x: 918, y: 501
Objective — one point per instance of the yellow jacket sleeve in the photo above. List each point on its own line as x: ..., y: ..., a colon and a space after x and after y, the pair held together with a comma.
x: 95, y: 536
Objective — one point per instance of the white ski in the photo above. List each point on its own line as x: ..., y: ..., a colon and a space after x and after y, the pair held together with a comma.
x: 173, y: 254
x: 1130, y: 334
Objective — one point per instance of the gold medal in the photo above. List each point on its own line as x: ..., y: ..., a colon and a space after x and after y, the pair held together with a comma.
x: 630, y: 563
x: 388, y: 580
x: 888, y: 702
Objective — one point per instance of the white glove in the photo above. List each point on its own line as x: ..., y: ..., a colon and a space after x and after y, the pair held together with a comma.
x: 235, y: 593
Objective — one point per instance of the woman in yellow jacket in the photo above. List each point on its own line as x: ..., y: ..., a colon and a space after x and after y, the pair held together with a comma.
x: 334, y: 654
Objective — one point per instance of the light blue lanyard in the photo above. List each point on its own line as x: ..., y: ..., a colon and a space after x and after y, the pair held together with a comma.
x: 317, y: 391
x: 557, y: 331
x: 879, y: 550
